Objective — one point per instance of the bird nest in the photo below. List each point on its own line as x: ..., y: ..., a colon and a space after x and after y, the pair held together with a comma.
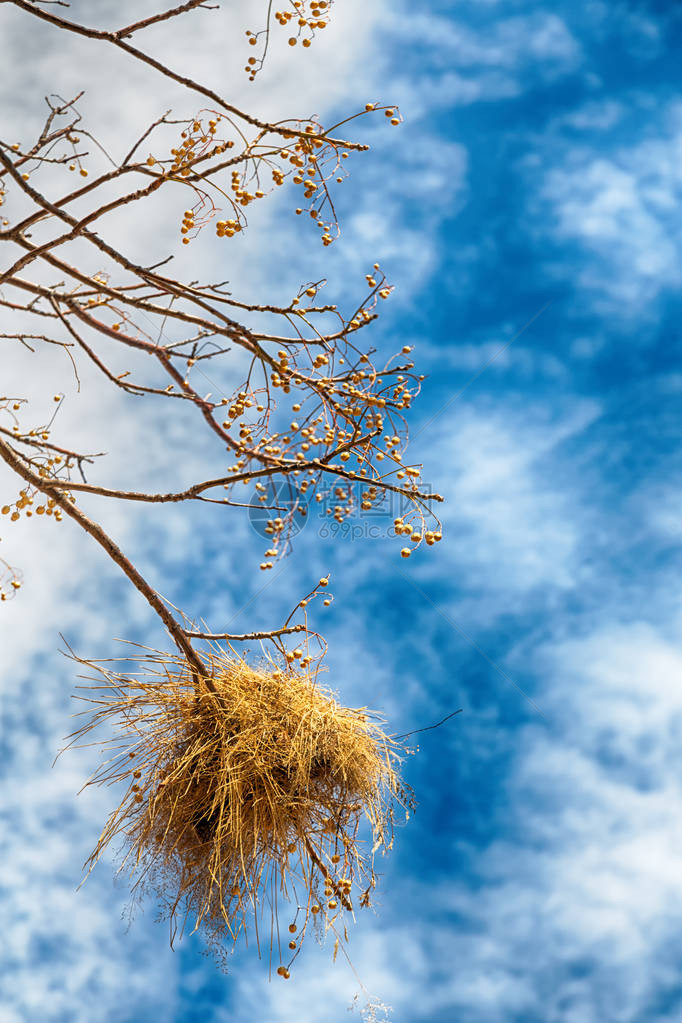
x: 249, y: 800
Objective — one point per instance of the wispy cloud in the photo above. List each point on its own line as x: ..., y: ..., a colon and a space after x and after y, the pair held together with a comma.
x: 619, y: 204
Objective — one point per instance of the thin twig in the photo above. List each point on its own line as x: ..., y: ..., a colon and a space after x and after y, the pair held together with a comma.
x: 429, y: 727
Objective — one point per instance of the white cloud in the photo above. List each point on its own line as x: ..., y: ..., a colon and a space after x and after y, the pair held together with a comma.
x: 664, y: 511
x: 596, y: 115
x: 495, y: 357
x: 621, y: 207
x: 591, y: 876
x: 510, y: 523
x: 495, y: 60
x: 505, y: 43
x: 453, y: 89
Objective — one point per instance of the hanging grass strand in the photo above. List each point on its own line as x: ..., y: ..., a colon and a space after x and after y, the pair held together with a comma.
x: 244, y: 799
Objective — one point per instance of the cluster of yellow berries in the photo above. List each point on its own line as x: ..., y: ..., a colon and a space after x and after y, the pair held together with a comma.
x: 298, y: 655
x: 390, y: 112
x: 336, y: 889
x: 242, y: 195
x: 356, y: 421
x: 24, y: 503
x: 403, y: 528
x: 198, y: 140
x: 227, y: 228
x: 314, y: 176
x: 238, y: 407
x: 187, y: 225
x: 311, y: 159
x: 305, y: 17
x: 306, y: 155
x: 76, y: 163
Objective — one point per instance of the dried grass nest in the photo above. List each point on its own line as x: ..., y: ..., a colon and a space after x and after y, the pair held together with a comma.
x: 246, y: 804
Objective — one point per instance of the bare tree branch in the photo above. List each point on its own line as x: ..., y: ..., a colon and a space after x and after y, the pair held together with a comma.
x: 15, y: 462
x: 345, y: 441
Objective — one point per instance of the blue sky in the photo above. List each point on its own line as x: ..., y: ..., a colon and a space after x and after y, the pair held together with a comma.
x: 537, y: 177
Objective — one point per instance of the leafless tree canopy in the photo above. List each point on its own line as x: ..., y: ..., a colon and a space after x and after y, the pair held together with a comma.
x: 312, y: 414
